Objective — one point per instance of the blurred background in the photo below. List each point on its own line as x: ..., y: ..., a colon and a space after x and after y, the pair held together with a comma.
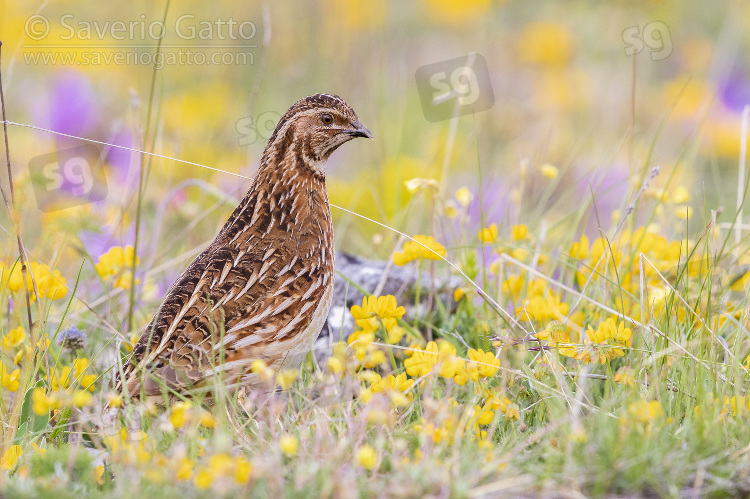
x: 572, y: 105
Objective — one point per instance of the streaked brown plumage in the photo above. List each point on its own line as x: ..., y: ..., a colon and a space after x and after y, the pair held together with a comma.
x: 267, y: 278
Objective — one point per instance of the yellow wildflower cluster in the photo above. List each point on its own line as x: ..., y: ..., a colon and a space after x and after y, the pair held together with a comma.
x: 540, y: 304
x: 375, y: 309
x: 606, y: 342
x: 448, y: 424
x: 441, y: 358
x: 49, y: 284
x: 395, y: 387
x: 422, y: 248
x: 622, y: 263
x: 117, y: 262
x: 601, y: 345
x: 443, y: 430
x: 183, y: 413
x: 136, y: 449
x: 727, y: 406
x: 16, y: 344
x: 13, y: 338
x: 644, y: 416
x: 367, y: 354
x: 129, y: 447
x: 557, y: 335
x: 374, y: 312
x: 77, y: 374
x: 484, y: 414
x: 625, y: 376
x: 44, y: 403
x: 224, y: 467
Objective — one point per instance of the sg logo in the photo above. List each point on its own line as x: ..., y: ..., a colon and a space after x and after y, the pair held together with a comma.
x: 248, y: 130
x: 67, y: 178
x: 655, y: 36
x: 455, y: 87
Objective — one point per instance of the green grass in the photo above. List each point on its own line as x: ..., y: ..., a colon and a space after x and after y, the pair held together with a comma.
x: 669, y: 417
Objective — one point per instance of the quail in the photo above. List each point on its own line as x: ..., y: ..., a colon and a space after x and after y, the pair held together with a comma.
x: 262, y: 289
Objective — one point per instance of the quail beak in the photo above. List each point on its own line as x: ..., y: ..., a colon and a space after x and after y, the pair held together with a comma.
x: 359, y: 130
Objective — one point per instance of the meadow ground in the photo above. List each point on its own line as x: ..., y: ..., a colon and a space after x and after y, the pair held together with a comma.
x: 578, y: 169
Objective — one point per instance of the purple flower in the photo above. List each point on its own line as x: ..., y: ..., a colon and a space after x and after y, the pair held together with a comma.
x: 71, y: 107
x: 735, y: 90
x: 609, y: 191
x: 123, y: 160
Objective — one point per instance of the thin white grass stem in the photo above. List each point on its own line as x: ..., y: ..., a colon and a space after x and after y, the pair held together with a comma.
x: 741, y: 175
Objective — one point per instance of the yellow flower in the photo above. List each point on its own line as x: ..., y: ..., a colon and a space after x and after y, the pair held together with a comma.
x: 421, y: 361
x: 180, y: 414
x: 457, y: 12
x: 286, y: 377
x: 86, y: 380
x: 423, y: 247
x: 543, y: 307
x: 366, y: 457
x: 67, y: 376
x: 118, y: 261
x: 450, y: 365
x: 99, y: 474
x: 14, y: 338
x: 488, y: 234
x: 262, y: 370
x: 625, y: 376
x: 334, y: 365
x: 483, y: 415
x: 206, y: 419
x: 10, y: 457
x: 396, y: 386
x: 464, y: 196
x: 50, y: 284
x: 383, y: 307
x: 580, y: 249
x: 242, y: 470
x: 449, y: 209
x: 486, y: 363
x: 289, y: 444
x: 42, y: 404
x: 9, y: 381
x: 683, y: 212
x: 546, y: 44
x: 44, y: 342
x: 184, y: 469
x: 81, y: 398
x: 203, y: 479
x: 680, y: 196
x: 645, y: 415
x: 220, y: 464
x: 395, y: 334
x: 519, y: 232
x: 114, y: 400
x: 549, y: 171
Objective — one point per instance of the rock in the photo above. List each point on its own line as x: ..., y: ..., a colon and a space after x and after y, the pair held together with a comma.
x: 353, y: 272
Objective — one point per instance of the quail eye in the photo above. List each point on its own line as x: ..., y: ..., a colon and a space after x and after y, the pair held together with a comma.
x: 326, y: 119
